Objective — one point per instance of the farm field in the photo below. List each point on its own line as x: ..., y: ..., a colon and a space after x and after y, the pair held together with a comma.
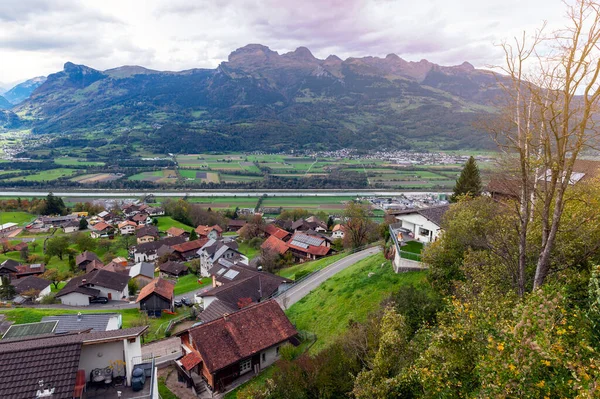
x: 97, y: 177
x: 46, y: 175
x: 166, y: 222
x: 69, y: 161
x: 21, y: 218
x: 163, y: 176
x: 200, y: 176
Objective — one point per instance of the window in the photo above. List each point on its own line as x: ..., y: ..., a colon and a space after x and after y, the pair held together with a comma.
x: 277, y: 351
x: 245, y: 366
x: 264, y: 357
x: 424, y: 232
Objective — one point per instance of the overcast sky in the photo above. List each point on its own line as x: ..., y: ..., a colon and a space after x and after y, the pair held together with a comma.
x: 37, y: 36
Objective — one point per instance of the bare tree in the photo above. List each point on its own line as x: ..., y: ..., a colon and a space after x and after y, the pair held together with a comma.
x: 552, y: 91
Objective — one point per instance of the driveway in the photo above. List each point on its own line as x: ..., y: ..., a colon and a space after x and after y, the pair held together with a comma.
x: 300, y: 290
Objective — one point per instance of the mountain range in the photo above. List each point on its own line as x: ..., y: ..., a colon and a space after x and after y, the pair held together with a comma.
x: 262, y: 100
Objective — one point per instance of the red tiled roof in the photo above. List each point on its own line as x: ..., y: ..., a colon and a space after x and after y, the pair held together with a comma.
x: 313, y: 250
x: 238, y: 336
x: 275, y: 244
x: 190, y: 245
x: 101, y: 226
x: 158, y: 286
x: 175, y: 231
x: 37, y: 268
x: 273, y: 230
x: 191, y: 360
x: 204, y: 230
x: 127, y: 223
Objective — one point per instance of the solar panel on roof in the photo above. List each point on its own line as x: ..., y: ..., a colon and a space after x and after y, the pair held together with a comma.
x: 316, y: 241
x: 221, y: 271
x: 30, y: 329
x: 231, y: 274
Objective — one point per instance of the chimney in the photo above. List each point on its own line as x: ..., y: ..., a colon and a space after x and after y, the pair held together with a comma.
x: 78, y: 316
x: 84, y: 281
x: 214, y: 281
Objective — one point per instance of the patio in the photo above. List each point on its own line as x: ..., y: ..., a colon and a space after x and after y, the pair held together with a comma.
x: 113, y: 392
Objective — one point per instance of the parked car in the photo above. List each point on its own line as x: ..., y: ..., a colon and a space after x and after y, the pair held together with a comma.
x: 178, y: 303
x: 100, y: 299
x: 185, y: 300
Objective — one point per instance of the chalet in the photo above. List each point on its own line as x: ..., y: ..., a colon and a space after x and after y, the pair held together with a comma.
x: 311, y: 223
x: 142, y: 273
x: 172, y: 269
x: 214, y: 250
x: 146, y: 234
x: 155, y: 211
x: 99, y: 283
x: 141, y: 219
x: 189, y: 250
x: 84, y: 321
x: 62, y: 365
x: 32, y: 283
x: 236, y: 224
x: 133, y: 209
x: 226, y: 348
x: 308, y: 247
x: 177, y: 232
x: 210, y: 232
x: 127, y: 227
x: 84, y: 258
x: 275, y: 244
x: 156, y: 297
x: 317, y: 224
x: 71, y: 227
x: 338, y: 231
x: 101, y: 230
x: 423, y: 224
x: 272, y: 230
x: 148, y: 251
x: 94, y: 265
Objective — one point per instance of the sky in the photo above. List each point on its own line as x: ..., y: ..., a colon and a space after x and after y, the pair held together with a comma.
x: 38, y: 36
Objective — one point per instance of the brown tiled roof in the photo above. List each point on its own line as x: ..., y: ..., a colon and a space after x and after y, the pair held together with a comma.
x: 434, y: 214
x: 36, y: 268
x: 94, y: 265
x: 175, y: 231
x: 127, y: 223
x: 20, y: 246
x: 101, y: 226
x: 153, y: 246
x: 103, y: 278
x: 190, y: 245
x: 204, y: 230
x: 229, y: 339
x: 147, y: 231
x: 216, y: 309
x: 10, y: 264
x: 273, y: 230
x: 157, y: 286
x: 30, y: 282
x: 275, y: 244
x: 174, y: 268
x: 87, y: 255
x: 140, y: 217
x: 191, y: 360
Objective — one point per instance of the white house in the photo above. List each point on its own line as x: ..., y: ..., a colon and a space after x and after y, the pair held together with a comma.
x: 31, y: 284
x: 95, y: 284
x: 127, y: 227
x: 424, y: 224
x: 84, y: 321
x: 337, y: 232
x: 214, y: 250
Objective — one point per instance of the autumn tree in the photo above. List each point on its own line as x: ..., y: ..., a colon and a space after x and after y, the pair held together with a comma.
x: 84, y: 242
x: 57, y: 246
x: 359, y: 228
x: 55, y: 276
x: 469, y: 181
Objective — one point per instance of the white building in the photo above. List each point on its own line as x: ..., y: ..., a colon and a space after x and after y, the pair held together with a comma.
x: 95, y: 284
x: 425, y: 224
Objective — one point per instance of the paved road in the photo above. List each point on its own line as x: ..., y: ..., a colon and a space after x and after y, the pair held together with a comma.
x: 299, y: 291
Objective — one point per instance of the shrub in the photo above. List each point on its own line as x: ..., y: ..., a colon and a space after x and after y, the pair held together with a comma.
x: 301, y: 274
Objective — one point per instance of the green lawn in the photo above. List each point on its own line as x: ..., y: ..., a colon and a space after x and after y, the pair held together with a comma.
x: 258, y: 381
x: 46, y: 175
x: 247, y: 250
x: 164, y: 391
x: 68, y: 161
x: 189, y: 283
x: 166, y: 222
x: 290, y: 272
x: 414, y: 249
x: 21, y: 218
x: 349, y: 295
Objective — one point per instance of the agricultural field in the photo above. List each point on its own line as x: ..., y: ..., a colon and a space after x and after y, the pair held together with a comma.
x: 21, y: 218
x: 199, y: 176
x: 97, y: 177
x: 46, y: 175
x: 163, y: 176
x: 165, y: 223
x: 70, y: 161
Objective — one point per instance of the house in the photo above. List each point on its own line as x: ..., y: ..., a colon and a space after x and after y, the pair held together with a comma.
x: 133, y: 209
x: 141, y: 219
x: 127, y: 227
x: 317, y: 224
x: 272, y: 230
x: 244, y: 288
x: 20, y: 246
x: 236, y: 224
x: 116, y: 267
x: 142, y: 273
x: 146, y: 234
x: 337, y: 232
x: 226, y: 348
x: 189, y: 250
x: 29, y: 330
x: 148, y: 251
x: 32, y: 283
x: 308, y: 247
x: 101, y: 230
x: 34, y: 269
x: 7, y: 228
x: 156, y: 297
x: 8, y: 269
x: 56, y: 221
x: 400, y: 263
x: 424, y: 224
x: 103, y: 214
x: 84, y: 258
x: 111, y: 218
x: 61, y: 365
x: 275, y: 244
x: 155, y: 211
x: 210, y: 232
x: 214, y: 250
x: 172, y: 269
x: 71, y: 227
x: 177, y: 232
x: 120, y: 261
x: 311, y: 223
x: 98, y: 283
x: 94, y: 265
x: 84, y: 321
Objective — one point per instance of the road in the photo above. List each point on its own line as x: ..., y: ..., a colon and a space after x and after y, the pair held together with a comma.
x: 300, y: 290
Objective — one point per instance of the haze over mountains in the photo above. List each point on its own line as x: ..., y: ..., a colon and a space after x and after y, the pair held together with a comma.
x: 260, y: 100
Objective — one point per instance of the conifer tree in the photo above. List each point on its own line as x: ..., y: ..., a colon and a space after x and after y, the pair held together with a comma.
x: 469, y: 181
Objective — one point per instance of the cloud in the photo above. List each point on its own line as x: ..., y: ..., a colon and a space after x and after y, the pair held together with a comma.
x: 38, y: 36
